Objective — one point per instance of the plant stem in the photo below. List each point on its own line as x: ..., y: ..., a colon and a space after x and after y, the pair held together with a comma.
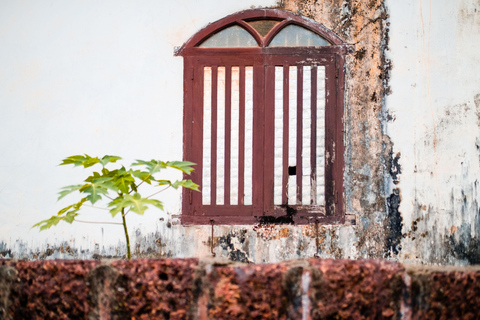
x: 158, y: 192
x: 98, y: 222
x: 129, y: 255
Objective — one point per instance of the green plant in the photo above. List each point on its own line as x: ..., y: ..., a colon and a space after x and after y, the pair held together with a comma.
x: 119, y: 186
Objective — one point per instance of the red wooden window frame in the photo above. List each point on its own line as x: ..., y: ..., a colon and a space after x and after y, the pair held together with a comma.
x: 263, y: 59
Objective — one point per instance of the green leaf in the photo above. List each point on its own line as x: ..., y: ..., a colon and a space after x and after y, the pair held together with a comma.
x: 124, y: 181
x: 54, y: 220
x: 164, y: 182
x: 85, y: 161
x: 153, y: 166
x: 143, y: 175
x: 45, y: 224
x: 133, y: 202
x: 64, y: 214
x: 107, y: 159
x: 70, y: 216
x: 75, y: 206
x: 95, y: 190
x: 64, y: 210
x: 184, y: 166
x: 189, y: 184
x: 68, y: 189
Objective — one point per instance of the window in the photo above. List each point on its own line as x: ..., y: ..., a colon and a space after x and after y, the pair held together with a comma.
x: 263, y: 108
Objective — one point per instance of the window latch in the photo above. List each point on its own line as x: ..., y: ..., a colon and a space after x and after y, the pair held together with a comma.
x: 292, y: 171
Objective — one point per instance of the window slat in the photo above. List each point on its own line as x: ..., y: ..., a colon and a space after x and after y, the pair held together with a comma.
x: 258, y: 142
x: 248, y: 135
x: 313, y: 138
x: 286, y: 99
x: 278, y: 144
x: 241, y: 137
x: 269, y: 142
x: 234, y: 163
x: 320, y: 169
x: 292, y: 134
x: 213, y: 155
x: 228, y: 133
x: 306, y: 133
x: 221, y: 136
x: 207, y: 134
x: 299, y: 171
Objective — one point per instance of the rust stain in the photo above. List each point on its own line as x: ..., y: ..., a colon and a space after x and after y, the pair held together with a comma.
x: 284, y: 233
x: 268, y: 232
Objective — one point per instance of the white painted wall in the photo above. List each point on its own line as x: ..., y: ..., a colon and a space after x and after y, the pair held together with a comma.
x: 95, y: 77
x: 435, y: 49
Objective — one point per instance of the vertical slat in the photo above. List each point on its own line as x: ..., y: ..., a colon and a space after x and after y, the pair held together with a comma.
x: 330, y: 95
x: 228, y: 131
x: 221, y: 136
x: 286, y: 88
x: 278, y: 130
x: 292, y: 134
x: 235, y: 116
x: 306, y: 130
x: 241, y: 138
x: 213, y: 156
x: 339, y: 132
x: 249, y: 130
x: 313, y: 137
x: 269, y: 143
x: 299, y: 170
x: 188, y: 71
x: 258, y: 137
x: 207, y: 137
x: 320, y: 123
x: 197, y: 128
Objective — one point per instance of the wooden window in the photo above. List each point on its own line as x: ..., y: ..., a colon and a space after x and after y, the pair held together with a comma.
x: 263, y: 94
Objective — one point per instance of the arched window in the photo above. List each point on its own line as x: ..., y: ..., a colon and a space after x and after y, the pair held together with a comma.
x: 263, y: 95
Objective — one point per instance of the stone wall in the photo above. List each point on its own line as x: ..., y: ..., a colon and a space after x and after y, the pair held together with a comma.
x: 215, y: 289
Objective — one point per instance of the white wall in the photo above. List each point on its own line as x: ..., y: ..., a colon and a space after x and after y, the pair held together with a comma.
x: 95, y: 77
x: 435, y: 83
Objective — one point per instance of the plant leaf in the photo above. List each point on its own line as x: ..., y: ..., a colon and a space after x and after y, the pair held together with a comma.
x: 184, y: 166
x: 153, y: 166
x: 45, y: 224
x: 133, y: 202
x: 107, y: 159
x: 189, y: 184
x: 64, y: 214
x: 164, y: 182
x: 68, y: 189
x: 143, y: 175
x: 124, y: 181
x: 85, y: 161
x: 94, y: 191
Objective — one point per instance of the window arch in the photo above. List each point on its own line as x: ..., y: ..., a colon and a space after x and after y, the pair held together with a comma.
x: 263, y: 109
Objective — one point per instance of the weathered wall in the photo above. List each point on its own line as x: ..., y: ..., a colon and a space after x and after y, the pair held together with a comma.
x: 212, y: 289
x: 411, y: 127
x: 434, y: 112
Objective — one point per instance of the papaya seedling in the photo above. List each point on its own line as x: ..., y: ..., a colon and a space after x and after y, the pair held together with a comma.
x: 119, y: 187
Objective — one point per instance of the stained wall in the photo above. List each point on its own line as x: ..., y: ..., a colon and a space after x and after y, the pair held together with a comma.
x: 102, y: 79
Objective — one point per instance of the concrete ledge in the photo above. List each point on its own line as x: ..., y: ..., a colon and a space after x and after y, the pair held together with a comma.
x: 215, y: 289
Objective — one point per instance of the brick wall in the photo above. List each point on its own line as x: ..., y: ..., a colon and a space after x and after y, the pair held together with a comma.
x: 212, y: 289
